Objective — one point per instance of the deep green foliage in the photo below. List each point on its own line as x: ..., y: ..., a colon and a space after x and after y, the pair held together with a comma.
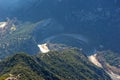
x: 69, y: 64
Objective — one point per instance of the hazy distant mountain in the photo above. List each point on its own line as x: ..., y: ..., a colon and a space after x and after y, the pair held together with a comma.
x: 97, y: 19
x: 26, y: 37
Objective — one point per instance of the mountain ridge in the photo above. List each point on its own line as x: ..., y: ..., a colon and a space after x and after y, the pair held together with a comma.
x: 72, y: 65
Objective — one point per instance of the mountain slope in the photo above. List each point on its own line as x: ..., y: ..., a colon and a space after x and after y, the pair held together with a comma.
x: 68, y: 64
x: 17, y: 40
x: 109, y: 61
x: 72, y: 65
x: 111, y: 57
x: 24, y: 65
x: 25, y: 37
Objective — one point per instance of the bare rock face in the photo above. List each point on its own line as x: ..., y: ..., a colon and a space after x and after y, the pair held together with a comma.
x: 43, y: 48
x: 13, y: 77
x: 102, y: 59
x: 7, y: 27
x: 94, y: 60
